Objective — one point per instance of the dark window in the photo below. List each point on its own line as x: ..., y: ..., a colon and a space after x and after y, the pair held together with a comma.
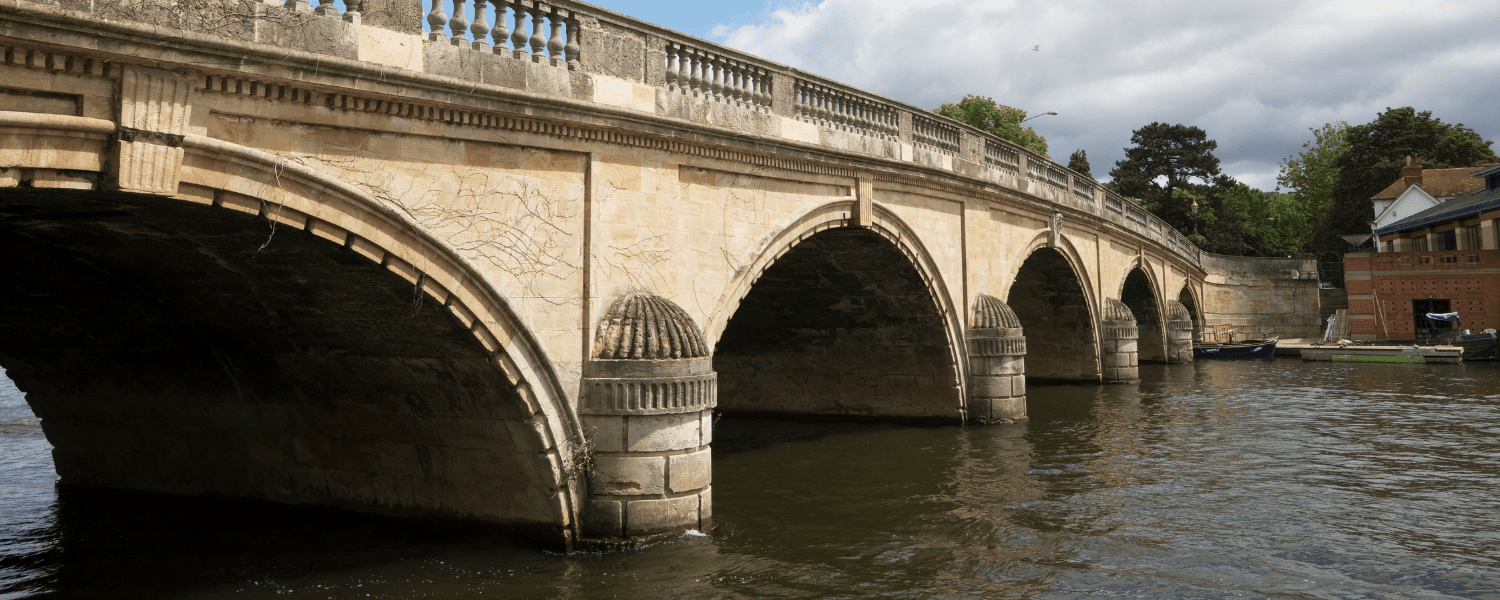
x: 1419, y: 244
x: 1449, y: 240
x: 1473, y: 258
x: 1450, y: 259
x: 1472, y: 233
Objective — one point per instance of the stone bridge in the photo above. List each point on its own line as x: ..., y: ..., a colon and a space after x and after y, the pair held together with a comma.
x: 508, y: 272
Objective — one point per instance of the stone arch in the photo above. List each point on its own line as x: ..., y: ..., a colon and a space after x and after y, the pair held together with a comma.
x: 225, y: 186
x: 1050, y: 295
x: 1138, y: 290
x: 826, y: 240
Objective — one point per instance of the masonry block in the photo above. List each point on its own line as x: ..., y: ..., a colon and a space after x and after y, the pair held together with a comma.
x: 607, y: 432
x: 628, y: 475
x: 645, y: 517
x: 659, y: 433
x: 690, y: 471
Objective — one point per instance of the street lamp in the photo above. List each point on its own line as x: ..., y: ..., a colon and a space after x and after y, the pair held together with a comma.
x: 1194, y: 208
x: 1040, y: 115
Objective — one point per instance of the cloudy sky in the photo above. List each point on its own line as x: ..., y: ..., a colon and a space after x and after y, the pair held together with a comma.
x: 1254, y: 75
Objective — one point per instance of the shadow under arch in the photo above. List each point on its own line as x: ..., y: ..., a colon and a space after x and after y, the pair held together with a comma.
x: 280, y: 335
x: 836, y: 319
x: 1139, y: 294
x: 1056, y: 312
x: 1190, y: 301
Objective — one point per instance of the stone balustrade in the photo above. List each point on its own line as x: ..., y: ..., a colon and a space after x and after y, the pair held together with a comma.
x: 936, y: 133
x: 629, y: 60
x: 845, y: 110
x: 554, y: 37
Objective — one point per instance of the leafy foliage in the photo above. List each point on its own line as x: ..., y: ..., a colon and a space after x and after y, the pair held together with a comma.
x: 1079, y: 163
x: 1270, y: 223
x: 1310, y: 176
x: 999, y: 119
x: 1375, y: 153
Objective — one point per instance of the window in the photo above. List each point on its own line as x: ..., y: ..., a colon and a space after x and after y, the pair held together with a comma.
x: 1424, y: 260
x: 1448, y: 240
x: 1473, y: 258
x: 1450, y: 259
x: 1471, y: 236
x: 1419, y: 243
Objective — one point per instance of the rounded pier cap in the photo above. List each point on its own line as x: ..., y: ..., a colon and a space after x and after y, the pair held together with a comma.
x: 1115, y: 310
x: 644, y: 326
x: 991, y: 313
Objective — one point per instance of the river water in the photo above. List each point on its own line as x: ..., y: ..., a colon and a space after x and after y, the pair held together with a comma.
x: 1272, y: 478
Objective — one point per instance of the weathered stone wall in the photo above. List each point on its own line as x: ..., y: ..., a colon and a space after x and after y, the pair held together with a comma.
x: 1263, y: 296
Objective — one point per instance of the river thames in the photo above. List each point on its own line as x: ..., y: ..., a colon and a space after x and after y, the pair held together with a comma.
x: 1270, y: 478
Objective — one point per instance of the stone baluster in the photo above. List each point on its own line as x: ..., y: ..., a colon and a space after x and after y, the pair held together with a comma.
x: 518, y: 33
x: 481, y: 28
x: 538, y: 41
x: 731, y: 81
x: 355, y: 9
x: 500, y: 33
x: 326, y: 8
x: 671, y: 74
x: 555, y: 41
x: 756, y: 77
x: 825, y: 114
x: 763, y: 84
x: 716, y: 67
x: 684, y: 70
x: 698, y: 72
x: 437, y: 20
x: 574, y: 47
x: 459, y: 23
x: 741, y: 82
x: 799, y: 100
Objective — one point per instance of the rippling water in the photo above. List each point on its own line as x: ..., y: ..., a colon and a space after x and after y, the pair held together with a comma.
x: 1274, y: 479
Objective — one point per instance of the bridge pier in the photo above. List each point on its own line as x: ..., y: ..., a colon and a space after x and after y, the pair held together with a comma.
x: 997, y: 362
x: 1179, y: 333
x: 647, y: 407
x: 1119, y: 343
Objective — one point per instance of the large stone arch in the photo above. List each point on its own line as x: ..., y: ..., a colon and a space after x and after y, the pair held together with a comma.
x: 1191, y: 302
x: 474, y: 424
x: 778, y: 350
x: 1138, y: 291
x: 1052, y: 298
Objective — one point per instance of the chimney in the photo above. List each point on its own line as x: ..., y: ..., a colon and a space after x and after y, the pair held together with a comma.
x: 1411, y: 174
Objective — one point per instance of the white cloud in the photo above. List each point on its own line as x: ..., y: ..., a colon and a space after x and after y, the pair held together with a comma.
x: 1255, y: 76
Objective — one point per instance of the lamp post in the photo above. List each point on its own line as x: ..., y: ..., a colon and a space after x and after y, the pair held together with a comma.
x: 1040, y: 115
x: 1194, y: 208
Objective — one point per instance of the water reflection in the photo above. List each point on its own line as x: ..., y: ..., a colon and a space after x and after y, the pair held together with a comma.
x: 1265, y: 478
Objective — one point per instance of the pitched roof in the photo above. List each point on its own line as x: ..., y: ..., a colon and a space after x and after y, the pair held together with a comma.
x: 1467, y: 205
x: 1439, y: 183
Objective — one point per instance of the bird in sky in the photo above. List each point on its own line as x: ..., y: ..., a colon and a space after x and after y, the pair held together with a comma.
x: 1037, y: 47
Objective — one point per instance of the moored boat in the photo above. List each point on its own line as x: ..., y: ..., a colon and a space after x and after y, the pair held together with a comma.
x: 1241, y: 349
x: 1477, y: 346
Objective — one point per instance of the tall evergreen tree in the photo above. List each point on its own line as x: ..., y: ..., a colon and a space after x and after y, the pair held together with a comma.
x: 1376, y: 152
x: 1079, y: 163
x: 1177, y: 154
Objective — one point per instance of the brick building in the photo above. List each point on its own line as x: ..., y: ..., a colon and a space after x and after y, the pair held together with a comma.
x: 1442, y: 259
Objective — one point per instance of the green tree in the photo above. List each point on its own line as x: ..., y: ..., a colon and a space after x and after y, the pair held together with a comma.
x: 1079, y: 163
x: 1310, y: 175
x: 999, y: 119
x: 1269, y: 223
x: 1373, y: 160
x: 1176, y: 155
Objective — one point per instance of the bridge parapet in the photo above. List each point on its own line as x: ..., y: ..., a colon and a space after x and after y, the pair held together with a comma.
x: 580, y: 52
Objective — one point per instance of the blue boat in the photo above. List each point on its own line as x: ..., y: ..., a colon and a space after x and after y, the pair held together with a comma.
x: 1244, y: 349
